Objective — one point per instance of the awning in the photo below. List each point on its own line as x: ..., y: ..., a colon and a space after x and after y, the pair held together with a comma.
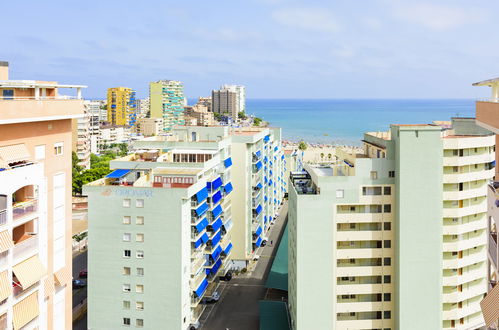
x: 266, y: 138
x: 217, y: 224
x: 216, y: 197
x: 26, y: 310
x: 228, y: 225
x: 202, y: 195
x: 216, y: 238
x: 258, y: 209
x: 216, y: 267
x: 5, y: 286
x: 202, y: 225
x: 202, y: 209
x: 265, y: 198
x: 228, y: 248
x: 5, y: 241
x: 49, y: 286
x: 201, y: 288
x: 63, y: 276
x: 205, y: 238
x: 259, y: 185
x: 14, y: 153
x: 265, y: 159
x: 265, y: 219
x: 216, y: 211
x: 228, y: 188
x: 228, y: 162
x: 258, y: 165
x: 29, y: 271
x: 258, y: 242
x: 276, y: 148
x: 199, y: 242
x: 489, y: 306
x: 282, y: 157
x: 270, y: 172
x: 258, y: 231
x: 270, y: 182
x: 258, y: 153
x: 265, y: 179
x: 216, y: 253
x: 116, y: 174
x: 213, y: 185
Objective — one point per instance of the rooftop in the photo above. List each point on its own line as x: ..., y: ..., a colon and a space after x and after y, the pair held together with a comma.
x: 487, y: 82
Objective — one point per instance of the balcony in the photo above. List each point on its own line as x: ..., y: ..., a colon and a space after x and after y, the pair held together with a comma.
x: 459, y: 212
x: 24, y: 208
x: 454, y: 263
x: 469, y: 160
x: 459, y: 229
x: 458, y: 313
x: 466, y: 277
x: 474, y: 290
x: 487, y: 114
x: 493, y: 249
x: 197, y: 312
x: 197, y: 264
x: 27, y: 245
x: 464, y: 194
x: 21, y: 109
x: 465, y: 244
x: 3, y: 217
x: 468, y: 176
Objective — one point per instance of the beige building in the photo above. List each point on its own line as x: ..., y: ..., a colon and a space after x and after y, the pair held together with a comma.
x: 149, y: 126
x: 81, y: 138
x: 201, y: 113
x: 35, y: 203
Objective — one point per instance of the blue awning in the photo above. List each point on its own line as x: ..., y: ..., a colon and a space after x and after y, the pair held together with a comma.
x: 202, y: 225
x: 271, y: 162
x: 214, y: 184
x: 265, y: 198
x: 216, y: 267
x: 116, y: 174
x: 282, y: 157
x: 270, y: 172
x: 216, y: 238
x: 258, y: 231
x: 493, y: 163
x: 348, y: 163
x: 266, y: 138
x: 258, y: 153
x: 205, y: 238
x: 265, y: 159
x: 258, y: 242
x: 275, y: 201
x: 258, y: 165
x: 270, y: 182
x: 202, y: 195
x: 228, y: 188
x: 265, y: 219
x: 265, y: 179
x: 228, y: 162
x: 202, y: 209
x: 216, y: 211
x: 217, y: 224
x: 201, y: 288
x: 216, y: 197
x: 275, y: 148
x: 259, y: 185
x: 228, y: 248
x: 198, y: 242
x: 258, y: 209
x: 215, y: 254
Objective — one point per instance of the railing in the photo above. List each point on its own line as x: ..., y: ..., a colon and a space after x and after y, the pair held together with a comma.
x: 493, y: 250
x: 39, y: 98
x: 24, y: 208
x: 18, y: 289
x: 26, y: 246
x: 489, y: 99
x: 3, y: 217
x: 3, y: 259
x: 3, y: 320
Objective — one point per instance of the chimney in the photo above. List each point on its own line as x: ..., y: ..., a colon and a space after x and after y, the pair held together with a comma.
x: 4, y: 70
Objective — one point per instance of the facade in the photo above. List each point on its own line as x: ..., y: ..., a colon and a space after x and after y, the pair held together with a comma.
x: 142, y: 107
x: 201, y: 114
x: 166, y: 210
x: 149, y: 126
x: 487, y: 117
x: 259, y: 187
x: 35, y: 203
x: 399, y: 229
x: 205, y: 101
x: 167, y: 102
x: 121, y: 106
x: 81, y: 138
x: 111, y: 134
x: 229, y: 100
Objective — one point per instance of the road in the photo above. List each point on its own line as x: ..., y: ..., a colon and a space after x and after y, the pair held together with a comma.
x: 79, y: 263
x: 238, y: 305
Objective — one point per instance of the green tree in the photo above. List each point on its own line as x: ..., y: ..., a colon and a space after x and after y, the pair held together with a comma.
x: 217, y: 116
x: 257, y: 121
x: 242, y: 115
x: 302, y: 145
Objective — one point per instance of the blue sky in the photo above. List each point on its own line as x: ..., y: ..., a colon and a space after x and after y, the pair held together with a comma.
x: 277, y: 48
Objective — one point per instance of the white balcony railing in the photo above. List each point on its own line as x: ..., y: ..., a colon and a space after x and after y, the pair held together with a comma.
x: 26, y: 246
x: 24, y: 208
x: 3, y: 217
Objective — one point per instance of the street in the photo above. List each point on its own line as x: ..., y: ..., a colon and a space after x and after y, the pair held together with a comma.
x: 79, y: 263
x: 238, y: 306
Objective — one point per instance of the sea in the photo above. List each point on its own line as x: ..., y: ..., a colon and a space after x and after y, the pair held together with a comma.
x: 343, y: 122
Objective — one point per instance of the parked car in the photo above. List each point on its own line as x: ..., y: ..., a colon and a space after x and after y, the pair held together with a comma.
x: 78, y: 284
x: 195, y: 326
x: 215, y: 296
x: 83, y: 273
x: 227, y: 277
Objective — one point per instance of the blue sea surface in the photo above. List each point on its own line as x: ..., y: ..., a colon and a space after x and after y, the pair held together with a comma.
x: 344, y: 121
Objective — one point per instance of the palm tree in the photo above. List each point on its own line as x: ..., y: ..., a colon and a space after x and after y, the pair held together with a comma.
x: 302, y: 146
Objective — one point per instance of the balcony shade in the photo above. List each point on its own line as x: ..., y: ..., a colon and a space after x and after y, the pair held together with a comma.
x: 29, y: 271
x: 265, y: 179
x: 282, y: 157
x: 217, y: 211
x: 63, y: 276
x: 25, y: 311
x: 202, y: 225
x: 258, y: 165
x: 216, y: 225
x: 216, y: 197
x: 14, y: 153
x: 266, y: 138
x: 228, y: 248
x: 205, y: 238
x: 5, y: 286
x: 270, y: 182
x: 228, y: 162
x: 216, y: 267
x: 216, y: 253
x: 202, y: 195
x: 48, y: 284
x: 258, y: 242
x: 259, y: 185
x: 265, y: 159
x: 270, y: 172
x: 276, y: 148
x: 199, y: 242
x: 215, y: 184
x: 5, y: 241
x: 258, y: 231
x: 201, y: 288
x: 265, y: 198
x: 258, y: 153
x: 228, y: 188
x: 216, y: 238
x: 489, y: 307
x: 117, y: 174
x: 258, y: 209
x: 202, y: 209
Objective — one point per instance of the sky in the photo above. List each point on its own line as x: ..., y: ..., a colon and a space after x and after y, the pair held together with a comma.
x: 276, y: 48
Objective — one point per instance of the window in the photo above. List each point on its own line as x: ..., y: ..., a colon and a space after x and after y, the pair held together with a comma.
x: 374, y: 175
x: 126, y: 321
x: 352, y: 226
x: 58, y: 148
x: 387, y: 314
x: 127, y: 237
x: 139, y: 288
x: 139, y: 203
x: 139, y: 237
x: 126, y: 270
x: 126, y: 287
x: 140, y: 254
x: 352, y: 261
x: 387, y: 190
x: 387, y: 244
x: 126, y: 202
x: 139, y: 323
x: 127, y: 254
x: 126, y: 304
x: 352, y: 208
x: 127, y: 220
x: 40, y: 152
x: 387, y: 297
x: 387, y: 226
x: 140, y: 271
x: 139, y: 305
x: 387, y: 208
x: 387, y: 261
x: 391, y: 174
x: 340, y: 193
x: 139, y: 220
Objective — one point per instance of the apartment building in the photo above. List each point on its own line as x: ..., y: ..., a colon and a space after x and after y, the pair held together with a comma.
x: 111, y: 134
x: 149, y: 126
x: 259, y: 187
x: 399, y: 229
x: 487, y: 117
x: 167, y: 102
x: 229, y: 100
x: 143, y: 106
x: 205, y: 101
x: 121, y: 106
x: 201, y: 114
x: 166, y: 210
x: 35, y: 202
x: 81, y: 138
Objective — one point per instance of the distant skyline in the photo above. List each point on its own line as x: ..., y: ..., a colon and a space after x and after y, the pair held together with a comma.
x: 276, y: 48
